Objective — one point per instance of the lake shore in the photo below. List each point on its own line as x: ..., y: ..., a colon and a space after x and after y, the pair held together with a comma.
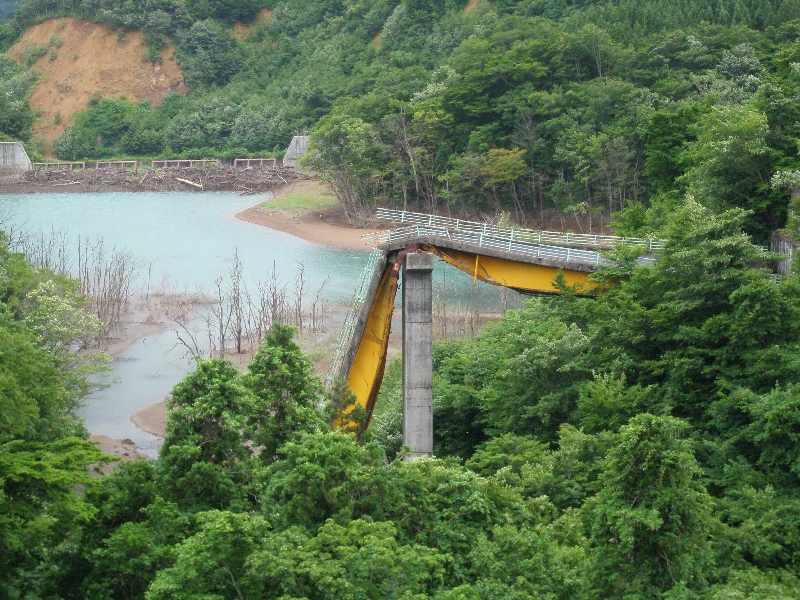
x: 321, y: 223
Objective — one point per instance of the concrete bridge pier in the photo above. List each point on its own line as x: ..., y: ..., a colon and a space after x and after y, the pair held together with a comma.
x: 418, y: 354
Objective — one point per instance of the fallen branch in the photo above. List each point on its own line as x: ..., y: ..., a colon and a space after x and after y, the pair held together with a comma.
x: 187, y: 182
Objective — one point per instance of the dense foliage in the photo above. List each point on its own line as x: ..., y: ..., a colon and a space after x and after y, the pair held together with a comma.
x: 639, y: 443
x: 43, y: 455
x: 6, y: 8
x: 563, y: 112
x: 16, y: 117
x: 542, y: 118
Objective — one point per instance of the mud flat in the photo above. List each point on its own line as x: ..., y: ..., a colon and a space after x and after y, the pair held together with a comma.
x: 319, y: 219
x: 125, y: 449
x: 152, y: 419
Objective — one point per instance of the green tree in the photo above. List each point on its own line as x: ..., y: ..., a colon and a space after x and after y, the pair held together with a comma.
x: 360, y: 559
x: 205, y: 455
x: 664, y: 136
x: 346, y: 150
x: 75, y: 145
x: 209, y: 55
x: 210, y: 563
x: 287, y: 397
x: 506, y: 167
x: 324, y: 476
x: 731, y: 164
x: 528, y: 378
x: 126, y: 561
x: 41, y: 512
x: 651, y: 521
x: 519, y: 562
x: 16, y: 116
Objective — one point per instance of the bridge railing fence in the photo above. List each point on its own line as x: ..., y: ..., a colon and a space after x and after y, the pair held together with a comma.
x: 555, y: 238
x: 353, y: 312
x: 486, y: 240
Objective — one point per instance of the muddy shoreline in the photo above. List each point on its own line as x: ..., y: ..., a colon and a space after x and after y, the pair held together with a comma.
x: 218, y: 178
x: 326, y: 226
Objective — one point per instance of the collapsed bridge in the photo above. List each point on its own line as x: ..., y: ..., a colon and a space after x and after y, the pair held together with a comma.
x: 521, y: 259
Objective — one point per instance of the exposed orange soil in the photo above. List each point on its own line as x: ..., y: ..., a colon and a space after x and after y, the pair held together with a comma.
x: 240, y: 30
x: 91, y: 62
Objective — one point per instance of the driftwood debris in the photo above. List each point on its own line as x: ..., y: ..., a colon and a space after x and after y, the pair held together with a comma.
x: 252, y: 180
x: 199, y: 186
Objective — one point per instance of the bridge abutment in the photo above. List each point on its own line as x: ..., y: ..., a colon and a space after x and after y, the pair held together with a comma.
x: 418, y: 354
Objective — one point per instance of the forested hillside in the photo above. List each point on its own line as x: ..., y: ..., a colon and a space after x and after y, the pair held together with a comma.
x: 561, y: 112
x: 6, y: 8
x: 640, y: 442
x: 637, y: 444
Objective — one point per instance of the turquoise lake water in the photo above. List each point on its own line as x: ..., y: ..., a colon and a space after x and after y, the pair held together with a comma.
x: 188, y: 239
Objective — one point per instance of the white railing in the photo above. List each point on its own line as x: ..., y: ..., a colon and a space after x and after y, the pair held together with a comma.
x: 353, y: 312
x: 481, y: 240
x: 553, y: 238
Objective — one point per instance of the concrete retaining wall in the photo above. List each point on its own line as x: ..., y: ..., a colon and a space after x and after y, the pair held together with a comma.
x: 297, y: 147
x: 13, y: 157
x: 783, y: 245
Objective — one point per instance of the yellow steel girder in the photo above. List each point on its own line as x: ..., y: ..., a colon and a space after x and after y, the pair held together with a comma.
x: 509, y: 273
x: 369, y: 362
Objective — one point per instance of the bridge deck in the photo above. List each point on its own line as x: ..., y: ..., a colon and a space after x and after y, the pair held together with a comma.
x: 506, y: 257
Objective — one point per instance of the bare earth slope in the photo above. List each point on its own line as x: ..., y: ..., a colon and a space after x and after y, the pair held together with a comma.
x: 91, y: 62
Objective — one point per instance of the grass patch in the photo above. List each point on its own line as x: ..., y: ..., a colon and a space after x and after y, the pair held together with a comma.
x: 316, y: 196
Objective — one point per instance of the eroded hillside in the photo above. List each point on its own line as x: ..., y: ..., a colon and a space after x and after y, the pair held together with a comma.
x: 81, y: 60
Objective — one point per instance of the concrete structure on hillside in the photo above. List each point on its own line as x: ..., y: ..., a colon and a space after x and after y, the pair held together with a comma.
x: 298, y: 148
x: 782, y: 244
x: 13, y: 157
x: 418, y: 354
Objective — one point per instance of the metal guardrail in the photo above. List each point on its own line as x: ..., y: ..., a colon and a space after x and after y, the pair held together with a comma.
x: 59, y: 166
x: 480, y: 240
x: 553, y: 238
x: 255, y: 162
x: 184, y: 162
x: 353, y: 312
x: 121, y: 164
